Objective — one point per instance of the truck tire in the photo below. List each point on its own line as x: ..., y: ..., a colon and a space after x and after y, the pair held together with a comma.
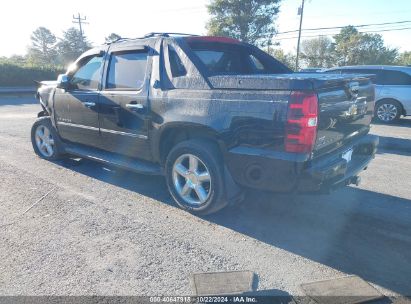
x: 45, y: 140
x: 387, y: 111
x: 195, y: 176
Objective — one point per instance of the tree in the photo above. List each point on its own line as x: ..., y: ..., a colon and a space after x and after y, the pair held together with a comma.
x: 318, y: 52
x: 72, y: 45
x: 14, y: 60
x: 112, y: 37
x: 355, y: 48
x: 250, y: 21
x: 43, y: 47
x: 404, y: 58
x: 287, y: 58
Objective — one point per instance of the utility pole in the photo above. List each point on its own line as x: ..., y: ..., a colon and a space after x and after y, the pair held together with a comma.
x: 301, y: 12
x: 80, y: 20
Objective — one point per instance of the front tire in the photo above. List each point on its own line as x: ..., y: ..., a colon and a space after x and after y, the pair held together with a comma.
x: 387, y: 111
x: 46, y: 143
x: 195, y: 176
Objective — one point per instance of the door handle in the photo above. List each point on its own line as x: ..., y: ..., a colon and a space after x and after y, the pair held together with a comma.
x: 89, y: 104
x: 135, y: 106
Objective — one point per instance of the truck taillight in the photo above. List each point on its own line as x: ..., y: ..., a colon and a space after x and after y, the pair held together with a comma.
x: 302, y: 118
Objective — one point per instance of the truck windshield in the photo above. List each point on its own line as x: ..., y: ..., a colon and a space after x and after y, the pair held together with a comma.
x: 235, y: 59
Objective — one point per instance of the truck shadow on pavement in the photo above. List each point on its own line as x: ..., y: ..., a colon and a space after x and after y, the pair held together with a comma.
x: 402, y: 122
x: 394, y: 145
x: 355, y: 231
x: 352, y: 230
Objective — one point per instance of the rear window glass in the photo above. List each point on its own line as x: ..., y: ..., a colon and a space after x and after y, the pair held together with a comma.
x: 209, y: 58
x: 228, y: 58
x: 223, y: 62
x: 257, y: 63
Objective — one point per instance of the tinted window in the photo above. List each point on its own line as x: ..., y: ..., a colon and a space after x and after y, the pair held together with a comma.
x: 87, y: 77
x: 176, y: 65
x: 377, y: 73
x: 395, y: 78
x: 256, y: 63
x: 210, y: 58
x: 228, y: 58
x: 383, y: 77
x: 222, y: 62
x: 127, y: 70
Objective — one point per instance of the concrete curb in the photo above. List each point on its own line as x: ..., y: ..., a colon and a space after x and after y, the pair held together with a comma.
x: 12, y: 90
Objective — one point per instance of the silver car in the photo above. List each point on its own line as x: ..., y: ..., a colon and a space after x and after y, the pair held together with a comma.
x: 393, y: 89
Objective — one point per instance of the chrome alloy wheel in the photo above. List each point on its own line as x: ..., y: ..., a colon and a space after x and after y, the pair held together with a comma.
x: 387, y: 112
x: 44, y: 141
x: 192, y: 180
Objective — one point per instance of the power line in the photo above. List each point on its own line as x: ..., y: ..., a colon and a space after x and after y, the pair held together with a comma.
x: 340, y: 27
x: 329, y: 34
x: 361, y: 13
x: 387, y: 30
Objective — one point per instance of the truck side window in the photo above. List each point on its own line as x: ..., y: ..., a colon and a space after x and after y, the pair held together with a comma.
x: 88, y: 75
x: 176, y: 65
x: 127, y: 70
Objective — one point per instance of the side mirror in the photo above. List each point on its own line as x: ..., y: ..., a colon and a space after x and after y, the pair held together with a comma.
x: 63, y: 81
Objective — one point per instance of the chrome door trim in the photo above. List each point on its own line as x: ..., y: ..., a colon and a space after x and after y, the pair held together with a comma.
x: 68, y: 124
x: 124, y: 133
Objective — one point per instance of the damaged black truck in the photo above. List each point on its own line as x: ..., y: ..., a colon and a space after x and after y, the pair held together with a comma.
x: 214, y: 115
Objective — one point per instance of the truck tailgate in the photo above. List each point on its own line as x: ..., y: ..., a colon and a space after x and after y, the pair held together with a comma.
x: 345, y: 112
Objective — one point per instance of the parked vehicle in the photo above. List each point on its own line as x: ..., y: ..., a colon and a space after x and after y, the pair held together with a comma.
x: 212, y: 114
x: 311, y: 70
x: 393, y: 89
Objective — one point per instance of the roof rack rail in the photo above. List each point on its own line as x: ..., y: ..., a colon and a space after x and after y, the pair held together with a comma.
x: 150, y: 35
x: 120, y: 39
x: 160, y: 34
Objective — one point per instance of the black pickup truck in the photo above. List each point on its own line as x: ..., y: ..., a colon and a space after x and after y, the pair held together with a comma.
x: 214, y: 115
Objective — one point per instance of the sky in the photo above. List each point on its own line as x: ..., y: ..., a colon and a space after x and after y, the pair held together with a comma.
x: 134, y: 18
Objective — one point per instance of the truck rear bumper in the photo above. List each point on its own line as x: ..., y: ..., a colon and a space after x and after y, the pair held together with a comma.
x: 288, y: 172
x: 333, y: 171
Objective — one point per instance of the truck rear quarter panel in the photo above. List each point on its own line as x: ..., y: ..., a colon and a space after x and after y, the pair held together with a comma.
x: 237, y: 117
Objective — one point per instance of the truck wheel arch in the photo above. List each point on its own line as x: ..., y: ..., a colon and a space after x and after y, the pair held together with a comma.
x: 169, y: 136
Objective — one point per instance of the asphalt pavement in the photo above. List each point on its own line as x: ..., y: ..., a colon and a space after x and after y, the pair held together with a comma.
x: 103, y: 231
